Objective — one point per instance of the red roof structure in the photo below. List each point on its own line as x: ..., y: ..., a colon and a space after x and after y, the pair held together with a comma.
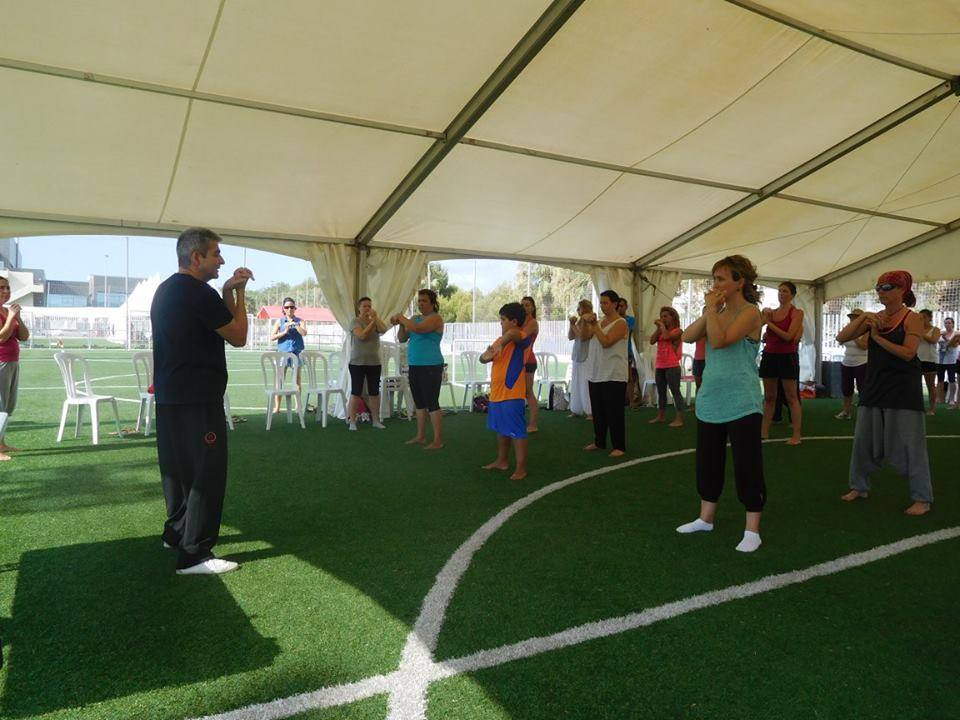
x: 310, y: 314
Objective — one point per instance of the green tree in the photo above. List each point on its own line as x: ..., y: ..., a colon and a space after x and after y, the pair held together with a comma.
x: 440, y: 281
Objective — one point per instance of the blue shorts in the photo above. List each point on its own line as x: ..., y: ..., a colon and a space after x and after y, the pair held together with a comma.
x: 506, y: 418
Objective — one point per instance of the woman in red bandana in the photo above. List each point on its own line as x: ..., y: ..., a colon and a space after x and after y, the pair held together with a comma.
x: 890, y: 421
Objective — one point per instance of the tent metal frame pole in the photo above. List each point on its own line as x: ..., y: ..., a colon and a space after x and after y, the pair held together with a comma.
x: 685, y: 179
x: 763, y: 279
x: 546, y: 26
x: 441, y: 253
x: 890, y: 252
x: 106, y: 226
x: 188, y: 94
x: 819, y: 298
x: 848, y: 145
x: 838, y: 39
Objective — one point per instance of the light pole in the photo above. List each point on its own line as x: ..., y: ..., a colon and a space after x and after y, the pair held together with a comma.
x: 474, y: 315
x: 106, y: 260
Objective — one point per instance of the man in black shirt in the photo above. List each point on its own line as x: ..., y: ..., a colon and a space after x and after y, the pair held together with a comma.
x: 190, y: 322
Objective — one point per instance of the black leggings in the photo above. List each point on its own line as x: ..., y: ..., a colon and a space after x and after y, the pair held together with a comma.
x: 948, y: 371
x: 606, y: 400
x: 359, y: 373
x: 744, y: 434
x: 669, y: 377
x: 425, y: 381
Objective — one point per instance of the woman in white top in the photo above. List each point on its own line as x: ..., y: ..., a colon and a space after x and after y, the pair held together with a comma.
x: 928, y: 356
x: 608, y: 383
x: 853, y: 368
x: 949, y: 350
x: 582, y: 358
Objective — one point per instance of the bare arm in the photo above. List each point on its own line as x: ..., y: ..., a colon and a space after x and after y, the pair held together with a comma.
x: 932, y: 335
x: 746, y: 323
x: 855, y: 328
x: 862, y: 342
x: 617, y: 331
x: 954, y: 341
x: 429, y: 324
x: 23, y: 334
x: 913, y: 329
x: 655, y: 335
x: 235, y: 331
x: 572, y: 330
x: 6, y: 330
x: 794, y: 332
x: 276, y: 334
x: 496, y: 347
x: 696, y: 330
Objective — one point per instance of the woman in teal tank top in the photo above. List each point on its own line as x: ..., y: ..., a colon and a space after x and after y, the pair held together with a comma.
x: 423, y: 332
x: 729, y: 401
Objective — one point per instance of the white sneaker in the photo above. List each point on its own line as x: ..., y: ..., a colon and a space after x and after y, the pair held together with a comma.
x: 842, y: 415
x: 379, y: 425
x: 213, y: 566
x: 352, y: 426
x: 166, y: 545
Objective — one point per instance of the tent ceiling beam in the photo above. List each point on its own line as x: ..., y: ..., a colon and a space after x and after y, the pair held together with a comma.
x: 891, y: 251
x: 130, y: 227
x: 838, y: 39
x: 189, y: 94
x: 455, y: 254
x: 546, y: 26
x: 875, y: 129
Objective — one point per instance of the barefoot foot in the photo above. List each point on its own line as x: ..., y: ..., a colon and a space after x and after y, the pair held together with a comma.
x: 519, y: 475
x: 495, y: 466
x: 656, y: 420
x: 4, y: 457
x: 918, y: 508
x: 676, y: 423
x: 854, y: 495
x: 433, y: 446
x: 616, y: 453
x: 591, y: 447
x: 416, y: 441
x: 793, y: 441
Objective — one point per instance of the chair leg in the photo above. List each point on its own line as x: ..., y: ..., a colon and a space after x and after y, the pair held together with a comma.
x: 63, y: 420
x: 324, y: 400
x: 76, y: 430
x: 289, y: 409
x: 269, y: 410
x: 466, y: 387
x: 143, y: 401
x: 300, y: 412
x: 95, y: 422
x: 116, y: 416
x: 149, y: 416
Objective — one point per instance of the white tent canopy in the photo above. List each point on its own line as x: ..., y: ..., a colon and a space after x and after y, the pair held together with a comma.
x: 816, y: 137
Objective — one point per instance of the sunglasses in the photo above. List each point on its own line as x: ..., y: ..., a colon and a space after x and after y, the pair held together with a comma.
x: 886, y: 287
x: 289, y: 307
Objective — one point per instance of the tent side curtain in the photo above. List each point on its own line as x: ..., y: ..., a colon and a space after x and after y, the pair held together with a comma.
x: 335, y: 268
x: 392, y: 277
x: 657, y: 288
x: 936, y: 259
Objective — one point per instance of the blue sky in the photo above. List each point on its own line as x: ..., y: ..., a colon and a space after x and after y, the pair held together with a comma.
x: 74, y: 257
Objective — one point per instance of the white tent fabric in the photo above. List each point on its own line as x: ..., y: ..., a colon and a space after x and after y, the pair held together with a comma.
x: 810, y: 135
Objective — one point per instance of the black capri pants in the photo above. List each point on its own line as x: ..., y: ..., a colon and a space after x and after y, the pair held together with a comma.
x: 361, y: 373
x: 744, y: 434
x: 849, y: 376
x: 948, y: 371
x: 606, y: 400
x: 425, y: 381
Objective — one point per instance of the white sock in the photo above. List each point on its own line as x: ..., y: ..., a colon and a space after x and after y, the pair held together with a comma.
x: 378, y: 425
x: 353, y: 425
x: 751, y: 541
x: 697, y: 525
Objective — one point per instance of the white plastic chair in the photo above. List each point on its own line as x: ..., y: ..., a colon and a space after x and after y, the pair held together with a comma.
x: 69, y: 364
x: 143, y: 367
x: 226, y: 410
x: 686, y: 376
x: 548, y: 373
x: 272, y: 364
x: 393, y: 383
x: 645, y: 364
x: 319, y: 383
x: 469, y: 374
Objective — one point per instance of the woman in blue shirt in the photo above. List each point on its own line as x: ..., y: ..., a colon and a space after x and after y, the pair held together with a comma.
x: 288, y: 333
x: 424, y: 332
x: 729, y: 402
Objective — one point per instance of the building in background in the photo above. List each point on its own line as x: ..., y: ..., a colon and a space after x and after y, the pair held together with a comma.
x: 10, y: 254
x: 26, y: 286
x: 112, y: 287
x: 66, y: 293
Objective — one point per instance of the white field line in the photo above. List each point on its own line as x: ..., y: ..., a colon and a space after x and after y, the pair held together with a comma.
x: 409, y: 683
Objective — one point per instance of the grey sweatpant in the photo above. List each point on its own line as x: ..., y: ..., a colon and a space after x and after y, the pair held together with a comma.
x: 9, y: 379
x: 900, y: 438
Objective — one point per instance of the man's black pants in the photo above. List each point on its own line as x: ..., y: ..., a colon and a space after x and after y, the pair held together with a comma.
x: 192, y: 451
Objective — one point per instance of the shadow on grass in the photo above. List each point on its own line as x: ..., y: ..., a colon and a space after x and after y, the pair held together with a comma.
x: 194, y: 630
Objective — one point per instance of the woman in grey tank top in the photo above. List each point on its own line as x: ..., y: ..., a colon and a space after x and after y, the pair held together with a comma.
x: 729, y: 402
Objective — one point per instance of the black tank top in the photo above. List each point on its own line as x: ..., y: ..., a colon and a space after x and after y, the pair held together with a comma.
x: 892, y: 383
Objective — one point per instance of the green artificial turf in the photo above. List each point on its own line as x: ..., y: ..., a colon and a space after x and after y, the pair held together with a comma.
x: 342, y: 534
